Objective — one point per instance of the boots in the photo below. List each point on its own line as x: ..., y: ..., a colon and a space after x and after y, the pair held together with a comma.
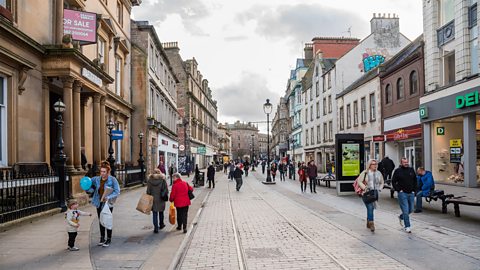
x: 371, y: 226
x: 368, y: 224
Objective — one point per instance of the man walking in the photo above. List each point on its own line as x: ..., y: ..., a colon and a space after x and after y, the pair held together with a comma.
x: 231, y: 169
x: 404, y: 181
x: 425, y: 184
x: 283, y: 169
x: 263, y: 166
x: 312, y: 174
x: 211, y: 175
x: 388, y: 167
x: 246, y: 167
x: 237, y: 174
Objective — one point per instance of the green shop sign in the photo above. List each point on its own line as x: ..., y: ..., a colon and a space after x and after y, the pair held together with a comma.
x: 467, y: 100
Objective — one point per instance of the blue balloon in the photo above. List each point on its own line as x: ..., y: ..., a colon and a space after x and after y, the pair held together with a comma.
x: 85, y: 183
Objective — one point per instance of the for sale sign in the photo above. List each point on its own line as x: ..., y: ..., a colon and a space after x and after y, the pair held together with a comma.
x: 81, y: 25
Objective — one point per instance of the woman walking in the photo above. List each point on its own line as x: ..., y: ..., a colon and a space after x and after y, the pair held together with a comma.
x: 368, y: 180
x: 273, y: 169
x: 181, y: 201
x: 105, y: 190
x: 302, y: 176
x: 158, y: 188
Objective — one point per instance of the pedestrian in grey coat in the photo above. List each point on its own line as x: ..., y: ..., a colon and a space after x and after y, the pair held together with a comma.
x: 158, y: 188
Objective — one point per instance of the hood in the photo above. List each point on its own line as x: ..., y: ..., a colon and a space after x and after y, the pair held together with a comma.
x: 156, y: 179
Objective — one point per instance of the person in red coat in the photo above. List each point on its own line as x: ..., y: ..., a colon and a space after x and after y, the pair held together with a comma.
x: 179, y: 197
x: 302, y: 177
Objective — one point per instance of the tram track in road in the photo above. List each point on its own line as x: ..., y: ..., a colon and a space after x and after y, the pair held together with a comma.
x: 242, y: 265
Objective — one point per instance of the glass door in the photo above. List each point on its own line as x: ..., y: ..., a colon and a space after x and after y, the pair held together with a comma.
x: 410, y: 155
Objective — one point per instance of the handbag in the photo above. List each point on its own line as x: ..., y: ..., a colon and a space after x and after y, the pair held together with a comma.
x: 356, y: 186
x: 145, y: 204
x: 370, y: 196
x: 190, y: 195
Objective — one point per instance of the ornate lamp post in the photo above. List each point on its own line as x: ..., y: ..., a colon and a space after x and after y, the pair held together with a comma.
x: 267, y: 108
x: 111, y: 159
x: 60, y: 158
x: 293, y: 141
x: 140, y: 160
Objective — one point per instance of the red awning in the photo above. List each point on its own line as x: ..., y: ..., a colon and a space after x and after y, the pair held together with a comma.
x: 405, y: 133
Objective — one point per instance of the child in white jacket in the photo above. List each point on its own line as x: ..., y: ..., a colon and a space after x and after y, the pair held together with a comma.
x: 73, y: 217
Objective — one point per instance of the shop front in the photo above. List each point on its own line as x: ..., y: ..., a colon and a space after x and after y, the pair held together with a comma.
x: 451, y: 127
x: 167, y: 154
x: 405, y: 142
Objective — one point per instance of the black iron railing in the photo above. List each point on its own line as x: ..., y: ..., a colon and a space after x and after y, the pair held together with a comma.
x: 129, y: 175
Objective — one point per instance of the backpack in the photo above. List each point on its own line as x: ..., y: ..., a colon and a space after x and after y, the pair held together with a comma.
x: 356, y: 186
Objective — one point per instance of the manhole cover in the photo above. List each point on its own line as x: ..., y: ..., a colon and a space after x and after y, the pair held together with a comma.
x: 263, y: 252
x: 134, y: 239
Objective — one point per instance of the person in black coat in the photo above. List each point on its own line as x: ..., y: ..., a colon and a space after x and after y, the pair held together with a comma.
x: 388, y: 166
x: 237, y: 174
x: 211, y: 175
x: 404, y: 181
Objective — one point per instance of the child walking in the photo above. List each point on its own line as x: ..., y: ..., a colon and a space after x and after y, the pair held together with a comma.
x: 73, y: 217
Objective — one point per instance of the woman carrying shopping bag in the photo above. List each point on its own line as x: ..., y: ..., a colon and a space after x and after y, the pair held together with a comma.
x: 158, y: 188
x: 370, y: 182
x: 181, y: 200
x: 105, y: 191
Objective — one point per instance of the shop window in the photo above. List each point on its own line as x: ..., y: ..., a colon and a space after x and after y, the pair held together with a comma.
x: 388, y: 94
x: 355, y: 113
x: 341, y: 118
x: 3, y: 122
x: 400, y: 90
x: 413, y: 83
x: 363, y: 105
x: 449, y: 68
x: 373, y: 110
x: 349, y: 117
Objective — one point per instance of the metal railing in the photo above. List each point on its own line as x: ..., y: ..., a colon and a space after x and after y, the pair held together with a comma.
x: 129, y: 175
x: 25, y: 194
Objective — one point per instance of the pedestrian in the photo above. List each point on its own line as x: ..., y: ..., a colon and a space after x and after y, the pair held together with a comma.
x: 425, y: 187
x: 225, y: 168
x: 388, y: 167
x: 273, y: 170
x: 246, y: 167
x: 263, y: 166
x: 302, y: 177
x: 312, y: 173
x: 196, y: 176
x: 237, y: 174
x: 231, y: 170
x: 290, y: 170
x: 211, y: 176
x: 83, y: 158
x: 171, y: 170
x: 404, y: 181
x: 370, y: 179
x: 282, y: 168
x: 158, y: 188
x: 181, y: 200
x: 161, y: 167
x: 100, y: 185
x: 328, y: 167
x: 72, y: 216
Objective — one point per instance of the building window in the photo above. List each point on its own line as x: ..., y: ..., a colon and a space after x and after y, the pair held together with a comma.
x: 329, y: 81
x: 306, y: 137
x: 388, y: 94
x: 342, y: 115
x: 400, y: 90
x: 472, y: 23
x: 306, y: 95
x: 318, y: 134
x: 324, y: 106
x: 311, y: 94
x: 317, y: 88
x: 349, y: 116
x: 120, y: 13
x: 325, y: 132
x: 373, y: 114
x: 311, y: 112
x: 472, y: 14
x: 413, y: 83
x: 118, y: 75
x: 151, y: 103
x: 6, y: 9
x: 306, y: 115
x: 3, y: 122
x: 324, y: 83
x: 329, y: 104
x: 101, y: 50
x: 316, y: 70
x: 363, y: 105
x: 447, y: 11
x: 330, y: 130
x: 318, y: 109
x: 312, y: 136
x: 355, y: 113
x: 449, y: 68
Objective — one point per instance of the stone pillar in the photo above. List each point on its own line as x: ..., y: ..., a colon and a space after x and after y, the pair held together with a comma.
x: 427, y: 145
x: 97, y: 137
x: 58, y: 21
x: 103, y: 129
x: 68, y: 119
x: 77, y: 157
x: 470, y: 150
x: 46, y: 119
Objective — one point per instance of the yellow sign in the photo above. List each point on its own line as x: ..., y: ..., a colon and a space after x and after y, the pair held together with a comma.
x: 456, y: 143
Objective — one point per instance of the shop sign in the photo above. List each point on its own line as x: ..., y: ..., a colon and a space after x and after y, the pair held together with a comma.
x: 81, y: 25
x: 117, y: 135
x: 455, y: 151
x: 456, y: 143
x: 423, y: 111
x: 404, y: 133
x: 379, y: 138
x: 91, y: 77
x: 467, y: 100
x: 202, y: 150
x: 440, y: 131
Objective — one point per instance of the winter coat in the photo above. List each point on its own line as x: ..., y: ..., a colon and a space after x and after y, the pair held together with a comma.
x: 211, y: 173
x: 376, y: 182
x: 73, y: 217
x: 156, y: 186
x: 231, y: 168
x: 405, y: 179
x: 388, y: 165
x: 282, y: 168
x: 426, y: 183
x: 312, y: 171
x: 179, y: 194
x: 237, y: 173
x: 273, y: 169
x: 302, y: 175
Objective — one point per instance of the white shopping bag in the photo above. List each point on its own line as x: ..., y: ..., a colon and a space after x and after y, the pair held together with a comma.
x: 106, y: 217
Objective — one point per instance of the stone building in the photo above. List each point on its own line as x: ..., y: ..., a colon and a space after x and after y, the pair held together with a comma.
x: 40, y: 64
x: 243, y: 136
x: 224, y: 143
x: 263, y: 146
x: 154, y: 96
x: 196, y: 106
x: 280, y: 129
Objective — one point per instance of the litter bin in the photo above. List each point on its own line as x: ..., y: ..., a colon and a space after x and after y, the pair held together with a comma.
x: 200, y: 179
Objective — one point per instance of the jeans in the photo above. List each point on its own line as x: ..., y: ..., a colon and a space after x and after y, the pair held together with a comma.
x: 282, y: 176
x: 155, y: 219
x: 182, y: 214
x: 313, y: 184
x: 263, y: 169
x: 406, y: 204
x: 239, y: 183
x: 230, y: 175
x: 102, y: 229
x: 370, y: 207
x: 246, y: 172
x: 418, y: 205
x: 71, y: 238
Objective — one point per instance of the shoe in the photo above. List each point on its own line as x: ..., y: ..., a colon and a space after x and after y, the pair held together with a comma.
x: 372, y: 226
x: 107, y: 243
x: 155, y: 231
x: 417, y: 211
x: 162, y: 226
x: 408, y: 230
x: 400, y: 220
x: 314, y: 192
x: 178, y: 228
x: 368, y: 224
x: 102, y: 240
x: 73, y: 248
x: 184, y: 230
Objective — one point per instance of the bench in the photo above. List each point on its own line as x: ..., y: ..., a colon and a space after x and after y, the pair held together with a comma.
x: 439, y: 195
x: 327, y: 179
x: 460, y: 200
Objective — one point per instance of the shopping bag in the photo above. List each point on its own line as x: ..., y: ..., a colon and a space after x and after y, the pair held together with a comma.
x: 106, y: 217
x: 145, y: 204
x: 171, y: 214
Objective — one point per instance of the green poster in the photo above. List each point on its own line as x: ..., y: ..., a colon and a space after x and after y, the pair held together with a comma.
x: 350, y: 159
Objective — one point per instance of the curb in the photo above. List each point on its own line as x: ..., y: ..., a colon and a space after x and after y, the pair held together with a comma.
x: 29, y: 219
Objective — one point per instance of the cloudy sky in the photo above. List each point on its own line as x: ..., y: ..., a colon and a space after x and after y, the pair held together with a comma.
x: 246, y: 48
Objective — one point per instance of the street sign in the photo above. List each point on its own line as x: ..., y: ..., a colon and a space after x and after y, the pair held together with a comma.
x: 181, y: 147
x: 440, y: 131
x: 202, y: 150
x: 117, y: 134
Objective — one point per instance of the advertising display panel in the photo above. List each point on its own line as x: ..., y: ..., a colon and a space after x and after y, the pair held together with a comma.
x: 350, y: 149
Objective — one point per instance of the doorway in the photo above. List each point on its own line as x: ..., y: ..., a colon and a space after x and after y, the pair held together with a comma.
x: 410, y: 155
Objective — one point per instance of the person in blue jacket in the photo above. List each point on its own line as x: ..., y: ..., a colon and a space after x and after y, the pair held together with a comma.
x: 100, y: 184
x: 426, y: 185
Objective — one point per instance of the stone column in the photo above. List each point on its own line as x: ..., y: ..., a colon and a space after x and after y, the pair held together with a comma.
x: 103, y: 133
x: 77, y: 157
x: 97, y: 150
x: 58, y: 21
x: 470, y: 150
x: 427, y: 145
x: 46, y: 119
x: 68, y: 119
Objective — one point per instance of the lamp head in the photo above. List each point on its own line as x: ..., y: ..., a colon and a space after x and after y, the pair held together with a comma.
x: 267, y: 107
x: 110, y: 124
x: 59, y: 106
x: 140, y: 135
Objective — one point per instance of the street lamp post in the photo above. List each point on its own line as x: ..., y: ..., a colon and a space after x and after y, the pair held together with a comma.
x: 140, y: 160
x: 267, y: 108
x: 293, y: 158
x: 111, y: 159
x: 253, y: 154
x: 61, y: 158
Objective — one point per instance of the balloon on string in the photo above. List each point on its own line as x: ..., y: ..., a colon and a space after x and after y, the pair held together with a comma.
x: 85, y: 183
